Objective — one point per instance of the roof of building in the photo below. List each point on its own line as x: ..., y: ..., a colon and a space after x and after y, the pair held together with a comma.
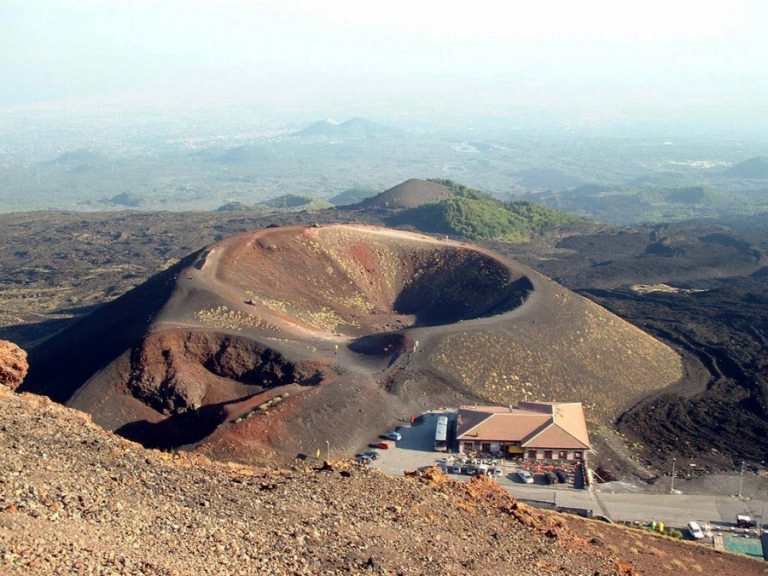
x: 554, y: 436
x: 531, y: 424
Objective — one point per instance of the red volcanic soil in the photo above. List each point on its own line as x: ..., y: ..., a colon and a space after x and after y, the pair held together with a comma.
x: 270, y: 343
x: 79, y: 500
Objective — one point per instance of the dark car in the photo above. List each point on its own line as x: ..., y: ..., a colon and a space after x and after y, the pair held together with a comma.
x: 562, y: 476
x: 745, y: 521
x: 372, y: 455
x: 551, y: 478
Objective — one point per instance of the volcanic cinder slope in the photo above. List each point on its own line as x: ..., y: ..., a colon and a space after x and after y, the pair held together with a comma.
x: 78, y: 500
x: 270, y: 343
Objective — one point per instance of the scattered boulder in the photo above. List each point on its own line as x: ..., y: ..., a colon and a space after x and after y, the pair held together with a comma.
x: 13, y: 364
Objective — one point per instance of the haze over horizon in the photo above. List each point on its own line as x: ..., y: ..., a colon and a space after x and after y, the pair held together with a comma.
x: 307, y: 60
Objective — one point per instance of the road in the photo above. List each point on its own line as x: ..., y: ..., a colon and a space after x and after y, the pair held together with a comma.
x: 415, y: 451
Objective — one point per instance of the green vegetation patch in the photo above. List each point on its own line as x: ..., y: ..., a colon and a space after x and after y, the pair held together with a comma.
x: 478, y: 216
x: 296, y: 202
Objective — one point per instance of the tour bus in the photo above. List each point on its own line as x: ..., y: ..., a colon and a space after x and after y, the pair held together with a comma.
x: 441, y: 434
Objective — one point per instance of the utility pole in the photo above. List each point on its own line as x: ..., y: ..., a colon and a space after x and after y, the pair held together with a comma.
x: 327, y: 450
x: 672, y: 480
x: 741, y: 478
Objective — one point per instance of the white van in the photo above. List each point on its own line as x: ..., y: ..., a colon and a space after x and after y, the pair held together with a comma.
x: 695, y: 530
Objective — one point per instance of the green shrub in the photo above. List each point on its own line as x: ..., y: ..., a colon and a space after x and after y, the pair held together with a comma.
x: 674, y: 533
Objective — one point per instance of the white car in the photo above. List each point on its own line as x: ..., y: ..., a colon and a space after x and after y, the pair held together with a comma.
x: 396, y: 436
x: 525, y: 476
x: 695, y: 530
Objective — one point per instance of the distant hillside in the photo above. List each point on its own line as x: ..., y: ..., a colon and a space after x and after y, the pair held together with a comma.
x: 658, y: 179
x: 78, y: 159
x: 239, y: 207
x: 409, y: 194
x: 245, y: 154
x: 127, y: 199
x: 475, y: 215
x: 351, y: 196
x: 289, y: 202
x: 691, y: 195
x: 754, y: 168
x: 546, y: 178
x: 354, y: 127
x: 284, y: 203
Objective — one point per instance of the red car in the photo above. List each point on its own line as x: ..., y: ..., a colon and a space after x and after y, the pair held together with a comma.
x: 382, y: 445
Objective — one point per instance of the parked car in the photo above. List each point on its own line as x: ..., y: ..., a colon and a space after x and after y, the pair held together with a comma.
x: 381, y: 445
x: 396, y: 436
x: 551, y: 478
x: 696, y: 532
x: 745, y: 521
x: 525, y: 476
x: 362, y: 459
x: 372, y: 455
x: 562, y: 476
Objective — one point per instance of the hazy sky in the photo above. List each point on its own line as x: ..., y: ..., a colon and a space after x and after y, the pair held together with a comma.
x: 480, y: 55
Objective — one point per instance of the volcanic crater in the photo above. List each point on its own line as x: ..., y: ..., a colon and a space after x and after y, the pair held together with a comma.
x: 266, y: 341
x: 345, y: 281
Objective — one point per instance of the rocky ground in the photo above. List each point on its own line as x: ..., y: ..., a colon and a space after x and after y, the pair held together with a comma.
x: 77, y: 500
x: 13, y: 364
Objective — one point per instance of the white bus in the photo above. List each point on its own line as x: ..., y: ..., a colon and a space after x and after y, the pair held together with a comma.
x: 441, y: 434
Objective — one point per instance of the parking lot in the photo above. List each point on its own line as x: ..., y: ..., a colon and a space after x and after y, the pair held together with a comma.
x: 415, y: 450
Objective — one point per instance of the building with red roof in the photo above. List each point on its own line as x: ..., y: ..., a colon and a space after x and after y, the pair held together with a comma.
x: 554, y: 431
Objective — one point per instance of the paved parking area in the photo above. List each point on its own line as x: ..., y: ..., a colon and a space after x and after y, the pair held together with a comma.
x: 416, y: 450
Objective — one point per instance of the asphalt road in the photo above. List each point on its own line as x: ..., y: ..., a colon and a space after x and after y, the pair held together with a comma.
x: 415, y: 451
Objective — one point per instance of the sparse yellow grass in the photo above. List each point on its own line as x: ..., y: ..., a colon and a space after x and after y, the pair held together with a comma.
x: 656, y: 552
x: 678, y: 564
x: 322, y: 319
x: 530, y: 362
x: 223, y: 317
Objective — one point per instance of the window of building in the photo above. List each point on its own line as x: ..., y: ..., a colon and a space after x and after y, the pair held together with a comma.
x: 485, y: 447
x: 532, y: 454
x: 548, y: 454
x: 563, y: 455
x: 578, y: 455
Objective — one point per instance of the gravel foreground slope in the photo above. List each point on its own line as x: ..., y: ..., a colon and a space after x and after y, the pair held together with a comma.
x: 75, y: 499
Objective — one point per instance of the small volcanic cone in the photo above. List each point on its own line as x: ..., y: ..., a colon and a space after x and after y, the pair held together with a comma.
x: 267, y: 341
